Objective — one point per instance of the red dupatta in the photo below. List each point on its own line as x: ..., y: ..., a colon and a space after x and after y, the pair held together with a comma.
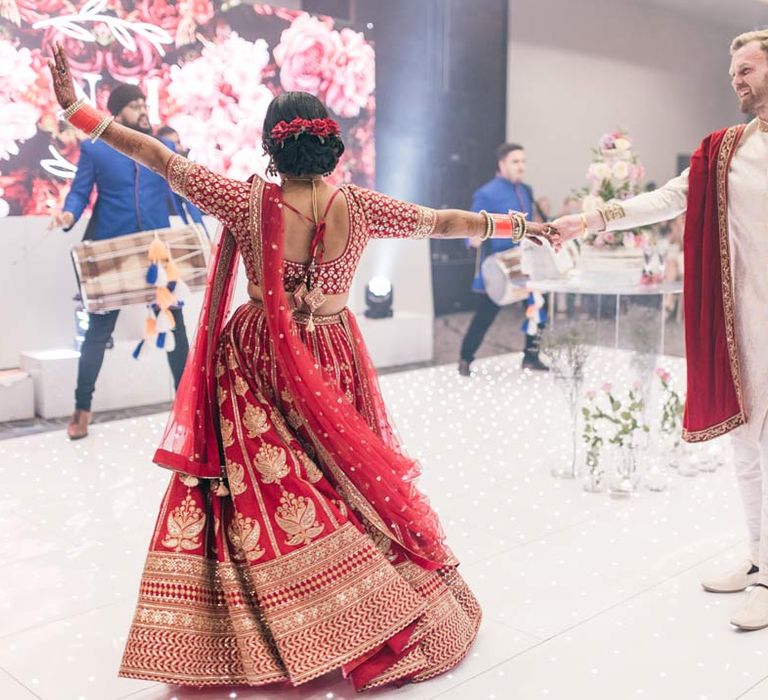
x: 714, y: 403
x: 372, y: 471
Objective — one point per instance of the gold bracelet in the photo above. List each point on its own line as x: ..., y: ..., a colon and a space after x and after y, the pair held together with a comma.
x: 489, y: 226
x: 584, y: 227
x: 520, y: 226
x: 69, y: 111
x: 101, y: 128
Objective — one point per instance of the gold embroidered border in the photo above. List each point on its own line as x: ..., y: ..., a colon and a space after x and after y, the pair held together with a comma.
x: 727, y: 148
x: 714, y: 431
x: 446, y: 632
x: 195, y: 624
x: 332, y: 601
x: 425, y: 225
x: 176, y: 171
x: 254, y: 222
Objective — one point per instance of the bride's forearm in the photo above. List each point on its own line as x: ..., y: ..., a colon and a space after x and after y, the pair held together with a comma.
x: 456, y: 223
x: 142, y: 148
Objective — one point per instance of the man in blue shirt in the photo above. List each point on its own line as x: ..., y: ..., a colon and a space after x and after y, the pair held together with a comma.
x: 130, y: 198
x: 506, y: 191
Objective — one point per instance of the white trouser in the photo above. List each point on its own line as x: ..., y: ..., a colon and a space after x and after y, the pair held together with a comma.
x: 751, y: 466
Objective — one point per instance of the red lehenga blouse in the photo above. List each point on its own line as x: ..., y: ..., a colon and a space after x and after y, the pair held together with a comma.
x: 291, y: 540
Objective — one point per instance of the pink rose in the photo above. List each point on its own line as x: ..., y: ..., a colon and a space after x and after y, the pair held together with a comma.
x: 135, y: 64
x: 609, y: 238
x: 353, y: 76
x: 607, y: 387
x: 32, y: 11
x: 591, y: 395
x: 200, y: 10
x: 304, y: 55
x: 160, y: 13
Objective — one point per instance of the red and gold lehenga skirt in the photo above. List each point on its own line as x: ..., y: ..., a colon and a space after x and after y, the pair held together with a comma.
x: 281, y: 575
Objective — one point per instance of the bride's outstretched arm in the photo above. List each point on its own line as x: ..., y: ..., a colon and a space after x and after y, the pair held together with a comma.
x: 142, y: 148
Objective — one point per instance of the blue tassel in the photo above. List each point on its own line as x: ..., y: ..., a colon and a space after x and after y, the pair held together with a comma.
x: 137, y: 350
x: 171, y: 285
x: 152, y: 273
x: 160, y: 340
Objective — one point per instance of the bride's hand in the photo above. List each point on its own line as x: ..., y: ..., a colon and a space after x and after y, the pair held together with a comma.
x: 543, y: 231
x: 63, y: 85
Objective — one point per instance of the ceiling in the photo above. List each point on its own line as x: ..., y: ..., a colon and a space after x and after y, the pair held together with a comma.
x: 741, y: 15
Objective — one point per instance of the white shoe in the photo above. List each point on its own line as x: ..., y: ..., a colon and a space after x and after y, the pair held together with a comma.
x: 732, y: 582
x: 754, y: 615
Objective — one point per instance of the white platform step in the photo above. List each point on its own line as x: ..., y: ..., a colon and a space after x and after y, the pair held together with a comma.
x: 17, y: 395
x: 122, y: 383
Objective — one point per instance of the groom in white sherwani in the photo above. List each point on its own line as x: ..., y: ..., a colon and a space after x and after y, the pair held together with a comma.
x: 724, y: 193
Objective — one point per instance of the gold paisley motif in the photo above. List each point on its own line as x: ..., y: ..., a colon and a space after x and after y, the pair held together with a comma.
x: 221, y: 394
x: 185, y: 523
x: 231, y: 359
x: 255, y: 421
x: 236, y: 478
x: 271, y: 463
x: 244, y: 534
x: 227, y: 430
x: 219, y: 369
x: 313, y: 471
x: 296, y: 516
x: 294, y: 419
x: 341, y: 506
x: 241, y: 386
x: 286, y: 396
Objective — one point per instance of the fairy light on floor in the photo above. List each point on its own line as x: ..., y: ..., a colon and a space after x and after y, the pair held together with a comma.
x: 76, y: 520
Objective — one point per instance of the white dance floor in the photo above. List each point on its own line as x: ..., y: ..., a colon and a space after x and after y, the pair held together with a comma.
x: 584, y: 596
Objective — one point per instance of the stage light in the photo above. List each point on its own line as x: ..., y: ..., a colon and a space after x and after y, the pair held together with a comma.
x: 378, y: 298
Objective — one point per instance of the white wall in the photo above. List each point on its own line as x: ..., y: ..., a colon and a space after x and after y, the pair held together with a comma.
x: 578, y: 69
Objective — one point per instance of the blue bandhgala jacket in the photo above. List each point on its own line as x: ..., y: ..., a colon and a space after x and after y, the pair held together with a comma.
x: 497, y: 197
x: 130, y: 197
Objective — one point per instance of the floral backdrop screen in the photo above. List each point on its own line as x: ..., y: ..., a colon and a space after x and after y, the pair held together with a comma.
x: 209, y: 70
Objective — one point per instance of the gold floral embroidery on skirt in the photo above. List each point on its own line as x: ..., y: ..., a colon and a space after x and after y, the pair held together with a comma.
x: 255, y: 421
x: 236, y: 478
x: 296, y: 515
x: 244, y: 534
x: 185, y: 523
x: 227, y: 430
x: 241, y: 386
x: 313, y: 472
x: 271, y: 463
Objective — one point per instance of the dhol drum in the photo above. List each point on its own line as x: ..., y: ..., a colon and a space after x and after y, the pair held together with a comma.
x: 503, y: 277
x: 111, y: 273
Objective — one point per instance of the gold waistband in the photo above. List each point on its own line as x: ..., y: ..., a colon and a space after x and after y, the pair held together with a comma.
x: 302, y: 318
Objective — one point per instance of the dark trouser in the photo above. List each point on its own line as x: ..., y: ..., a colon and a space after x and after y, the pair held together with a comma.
x: 100, y: 328
x: 485, y: 314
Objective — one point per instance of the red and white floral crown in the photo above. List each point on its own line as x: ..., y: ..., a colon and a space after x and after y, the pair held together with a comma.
x: 322, y: 128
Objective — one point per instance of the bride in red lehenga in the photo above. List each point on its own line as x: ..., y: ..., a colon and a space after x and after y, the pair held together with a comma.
x: 292, y: 539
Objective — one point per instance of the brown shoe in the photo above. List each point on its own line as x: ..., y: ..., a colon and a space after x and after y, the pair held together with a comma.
x: 78, y: 426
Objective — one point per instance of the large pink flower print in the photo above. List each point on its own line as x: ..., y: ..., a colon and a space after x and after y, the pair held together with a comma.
x: 353, y: 75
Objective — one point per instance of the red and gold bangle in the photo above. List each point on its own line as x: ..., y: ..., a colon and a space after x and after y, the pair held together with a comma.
x: 85, y: 118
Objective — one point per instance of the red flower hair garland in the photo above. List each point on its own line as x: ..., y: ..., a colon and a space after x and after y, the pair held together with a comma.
x: 322, y: 128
